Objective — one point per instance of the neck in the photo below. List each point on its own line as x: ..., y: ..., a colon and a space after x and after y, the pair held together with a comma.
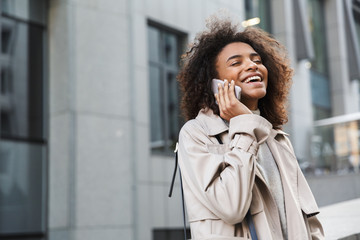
x: 252, y: 105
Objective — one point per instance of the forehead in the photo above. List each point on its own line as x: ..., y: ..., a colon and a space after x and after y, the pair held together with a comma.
x: 236, y: 48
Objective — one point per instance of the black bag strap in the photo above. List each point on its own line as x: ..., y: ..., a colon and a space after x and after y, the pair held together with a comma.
x: 174, y: 173
x: 181, y: 186
x: 248, y: 214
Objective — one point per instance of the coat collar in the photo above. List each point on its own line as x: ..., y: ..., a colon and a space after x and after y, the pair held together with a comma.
x: 214, y: 125
x: 211, y: 123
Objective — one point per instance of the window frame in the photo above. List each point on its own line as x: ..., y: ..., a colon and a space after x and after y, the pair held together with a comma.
x: 166, y: 144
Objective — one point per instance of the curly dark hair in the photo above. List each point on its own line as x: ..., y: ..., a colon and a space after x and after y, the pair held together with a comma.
x: 199, y: 68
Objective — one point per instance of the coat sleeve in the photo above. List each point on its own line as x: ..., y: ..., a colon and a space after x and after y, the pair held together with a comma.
x: 315, y: 228
x: 222, y: 180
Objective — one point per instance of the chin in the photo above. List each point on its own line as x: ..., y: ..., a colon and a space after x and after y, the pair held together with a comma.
x: 262, y: 95
x: 256, y: 96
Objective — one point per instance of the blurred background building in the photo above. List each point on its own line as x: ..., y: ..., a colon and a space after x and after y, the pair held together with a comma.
x: 90, y: 109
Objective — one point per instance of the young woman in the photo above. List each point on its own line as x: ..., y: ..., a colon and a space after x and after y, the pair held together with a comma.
x: 234, y: 159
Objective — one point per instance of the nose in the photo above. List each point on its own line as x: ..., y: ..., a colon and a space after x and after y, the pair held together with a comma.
x: 251, y: 65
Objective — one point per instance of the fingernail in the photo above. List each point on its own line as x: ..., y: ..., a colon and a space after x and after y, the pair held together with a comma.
x: 232, y: 81
x: 219, y: 85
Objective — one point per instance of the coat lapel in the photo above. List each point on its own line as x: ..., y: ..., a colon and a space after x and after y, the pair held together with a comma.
x: 288, y: 168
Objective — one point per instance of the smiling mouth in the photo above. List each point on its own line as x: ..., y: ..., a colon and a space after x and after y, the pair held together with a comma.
x: 253, y: 79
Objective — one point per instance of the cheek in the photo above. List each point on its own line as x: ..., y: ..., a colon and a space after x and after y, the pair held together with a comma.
x: 225, y: 73
x: 221, y: 73
x: 264, y: 70
x: 266, y: 76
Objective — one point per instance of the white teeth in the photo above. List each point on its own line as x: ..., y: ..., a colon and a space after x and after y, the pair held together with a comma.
x: 252, y: 78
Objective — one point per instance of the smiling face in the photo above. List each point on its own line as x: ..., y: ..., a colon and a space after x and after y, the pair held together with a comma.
x: 238, y: 61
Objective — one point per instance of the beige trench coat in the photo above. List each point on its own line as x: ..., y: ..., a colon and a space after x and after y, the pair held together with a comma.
x: 221, y: 181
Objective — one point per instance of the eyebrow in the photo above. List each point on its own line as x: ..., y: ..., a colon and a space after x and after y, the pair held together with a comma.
x: 240, y: 56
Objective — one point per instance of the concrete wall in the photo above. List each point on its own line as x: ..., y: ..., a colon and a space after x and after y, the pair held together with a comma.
x: 90, y: 170
x: 104, y: 181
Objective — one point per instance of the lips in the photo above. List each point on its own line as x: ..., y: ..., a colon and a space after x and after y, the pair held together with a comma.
x: 255, y: 78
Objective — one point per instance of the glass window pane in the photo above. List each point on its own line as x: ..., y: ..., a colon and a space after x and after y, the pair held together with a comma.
x: 356, y: 13
x: 170, y: 49
x: 317, y: 28
x: 22, y: 196
x: 156, y: 120
x: 29, y: 10
x: 265, y: 15
x: 154, y: 44
x: 319, y: 69
x: 173, y: 106
x: 22, y: 238
x: 320, y: 95
x: 320, y: 90
x: 335, y: 149
x: 260, y: 9
x: 21, y: 80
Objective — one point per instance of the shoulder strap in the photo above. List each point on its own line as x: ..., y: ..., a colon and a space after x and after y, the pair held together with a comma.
x: 174, y: 173
x: 181, y: 186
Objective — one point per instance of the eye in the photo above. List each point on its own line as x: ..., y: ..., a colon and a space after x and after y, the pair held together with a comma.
x: 235, y: 63
x: 258, y: 61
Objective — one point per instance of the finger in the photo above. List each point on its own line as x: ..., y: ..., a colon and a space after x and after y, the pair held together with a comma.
x: 219, y: 104
x: 226, y: 92
x: 216, y: 98
x: 232, y: 90
x: 221, y: 100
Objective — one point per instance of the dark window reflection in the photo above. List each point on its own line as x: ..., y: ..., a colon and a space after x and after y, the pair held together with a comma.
x: 22, y: 140
x: 356, y: 13
x: 164, y: 59
x: 5, y: 39
x: 260, y: 9
x: 21, y: 80
x: 320, y: 84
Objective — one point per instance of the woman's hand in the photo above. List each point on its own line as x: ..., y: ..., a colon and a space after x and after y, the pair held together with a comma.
x: 229, y: 105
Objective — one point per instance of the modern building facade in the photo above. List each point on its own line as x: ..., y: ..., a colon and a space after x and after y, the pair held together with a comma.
x: 90, y: 114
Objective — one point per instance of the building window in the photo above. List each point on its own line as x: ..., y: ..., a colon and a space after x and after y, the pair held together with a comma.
x: 320, y: 83
x: 356, y: 13
x: 260, y: 9
x: 22, y: 126
x: 164, y: 55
